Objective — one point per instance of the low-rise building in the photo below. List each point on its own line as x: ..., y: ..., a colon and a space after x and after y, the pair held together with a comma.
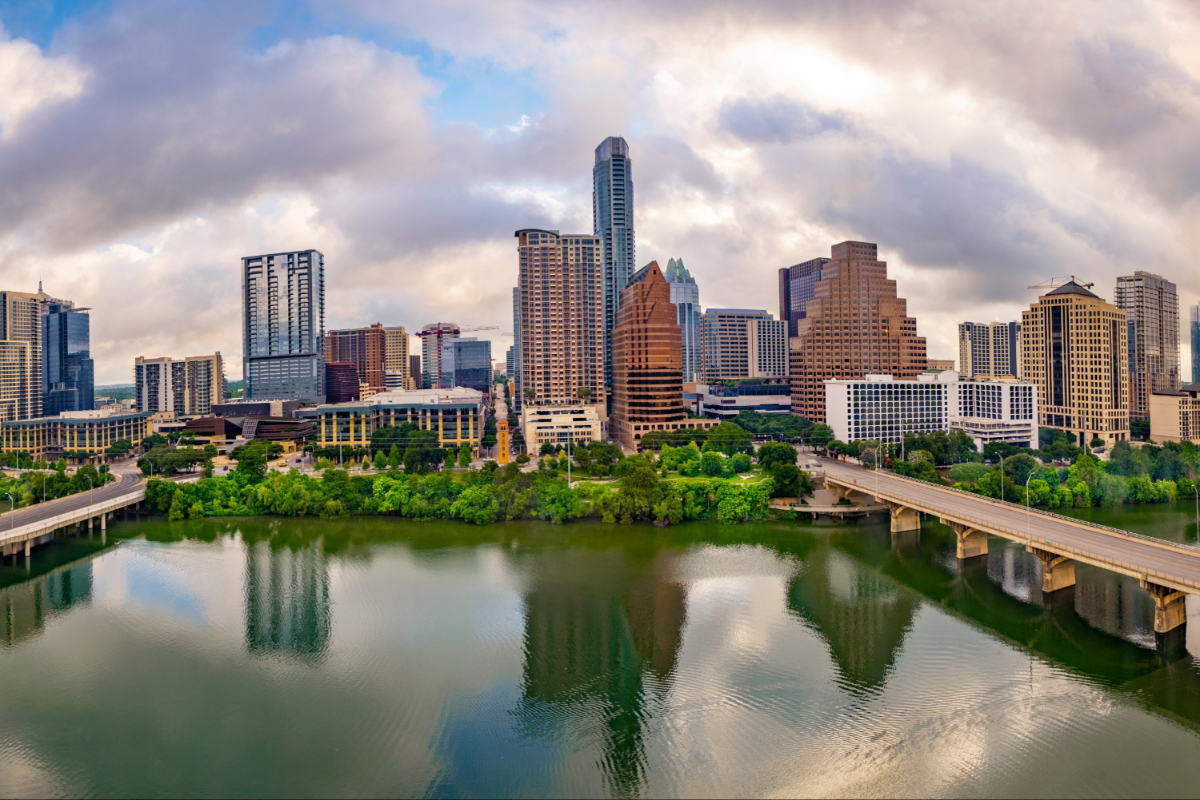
x: 559, y: 425
x: 457, y: 415
x: 940, y: 364
x: 90, y: 432
x: 727, y: 399
x: 1175, y: 415
x: 881, y: 408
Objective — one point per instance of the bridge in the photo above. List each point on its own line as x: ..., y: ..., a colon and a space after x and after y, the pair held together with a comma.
x: 1168, y: 571
x: 28, y: 527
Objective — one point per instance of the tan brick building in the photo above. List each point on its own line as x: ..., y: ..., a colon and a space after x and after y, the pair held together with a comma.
x: 1175, y: 415
x: 396, y: 359
x: 561, y: 317
x: 855, y: 325
x: 647, y: 381
x: 1074, y: 346
x: 21, y: 355
x: 365, y: 349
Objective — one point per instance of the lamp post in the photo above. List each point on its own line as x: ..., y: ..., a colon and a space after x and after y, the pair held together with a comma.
x: 12, y: 517
x: 1028, y: 513
x: 90, y: 487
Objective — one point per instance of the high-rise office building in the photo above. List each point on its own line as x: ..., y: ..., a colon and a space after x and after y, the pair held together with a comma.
x: 283, y: 296
x: 514, y: 375
x: 365, y: 348
x: 433, y: 336
x: 188, y: 387
x: 1074, y: 346
x: 855, y: 325
x: 341, y: 382
x: 414, y: 368
x: 467, y: 362
x: 647, y: 369
x: 1151, y: 306
x: 396, y: 357
x: 742, y: 343
x: 21, y: 355
x: 797, y: 286
x: 612, y: 216
x: 1195, y: 343
x: 685, y: 296
x: 68, y: 373
x: 562, y: 317
x: 989, y: 349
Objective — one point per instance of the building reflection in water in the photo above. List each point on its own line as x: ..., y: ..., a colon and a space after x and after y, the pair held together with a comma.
x: 858, y: 612
x: 603, y: 642
x: 25, y: 608
x: 287, y: 600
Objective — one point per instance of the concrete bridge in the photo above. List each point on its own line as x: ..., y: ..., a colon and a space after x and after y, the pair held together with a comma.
x: 29, y: 527
x: 1168, y: 571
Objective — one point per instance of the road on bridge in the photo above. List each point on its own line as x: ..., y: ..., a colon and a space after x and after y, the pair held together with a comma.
x: 126, y: 481
x: 1103, y: 547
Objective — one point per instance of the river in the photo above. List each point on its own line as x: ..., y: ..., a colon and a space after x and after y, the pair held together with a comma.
x: 378, y: 657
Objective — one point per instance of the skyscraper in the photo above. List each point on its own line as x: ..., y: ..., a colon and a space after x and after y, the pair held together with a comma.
x: 366, y: 349
x: 68, y: 374
x: 1074, y: 346
x: 1195, y: 343
x: 433, y: 336
x: 561, y: 321
x: 1151, y: 306
x: 612, y: 215
x: 283, y: 333
x: 189, y: 386
x: 514, y: 374
x: 855, y: 324
x: 467, y: 362
x: 685, y: 295
x: 796, y: 288
x: 647, y: 375
x: 20, y: 355
x: 742, y: 343
x: 989, y: 349
x: 395, y: 357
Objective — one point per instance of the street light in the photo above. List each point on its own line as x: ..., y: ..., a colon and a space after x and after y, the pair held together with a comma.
x: 1028, y: 513
x: 12, y: 517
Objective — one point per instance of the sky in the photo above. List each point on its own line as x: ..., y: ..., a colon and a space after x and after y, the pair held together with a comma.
x: 146, y: 147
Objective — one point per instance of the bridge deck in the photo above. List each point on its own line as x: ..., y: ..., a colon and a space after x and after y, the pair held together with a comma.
x: 1164, y: 563
x: 34, y: 521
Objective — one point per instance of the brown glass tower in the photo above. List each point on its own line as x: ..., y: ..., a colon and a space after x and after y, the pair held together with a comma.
x: 855, y: 325
x: 647, y: 346
x: 365, y: 348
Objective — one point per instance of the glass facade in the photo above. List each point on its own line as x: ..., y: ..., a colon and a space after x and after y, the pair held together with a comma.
x: 685, y: 295
x: 284, y: 326
x: 1195, y: 343
x: 887, y: 410
x: 68, y: 373
x: 467, y: 363
x: 612, y: 216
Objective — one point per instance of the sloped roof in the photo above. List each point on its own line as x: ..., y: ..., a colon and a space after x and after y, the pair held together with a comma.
x: 1071, y: 287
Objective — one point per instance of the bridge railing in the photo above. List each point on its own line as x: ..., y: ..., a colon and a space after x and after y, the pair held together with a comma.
x: 1033, y: 510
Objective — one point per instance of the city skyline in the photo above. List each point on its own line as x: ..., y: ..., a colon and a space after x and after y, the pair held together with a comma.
x: 423, y: 144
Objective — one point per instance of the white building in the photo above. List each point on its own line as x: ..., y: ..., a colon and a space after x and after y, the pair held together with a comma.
x: 558, y: 425
x: 882, y: 408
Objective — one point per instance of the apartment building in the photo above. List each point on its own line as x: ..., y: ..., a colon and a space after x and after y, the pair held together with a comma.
x: 612, y: 229
x: 365, y: 348
x: 742, y: 343
x: 989, y: 349
x: 561, y: 331
x: 1074, y: 346
x: 283, y: 334
x: 396, y: 357
x: 854, y: 325
x: 187, y: 387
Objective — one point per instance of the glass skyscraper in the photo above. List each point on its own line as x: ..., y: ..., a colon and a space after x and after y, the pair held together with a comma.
x: 1195, y: 343
x: 685, y: 294
x: 612, y: 216
x: 68, y: 373
x: 283, y: 333
x: 467, y: 363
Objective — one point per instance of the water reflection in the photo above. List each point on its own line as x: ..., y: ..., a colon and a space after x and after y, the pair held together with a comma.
x: 601, y: 640
x: 26, y: 608
x: 287, y: 600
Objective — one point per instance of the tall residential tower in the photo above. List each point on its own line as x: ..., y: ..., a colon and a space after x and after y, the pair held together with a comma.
x: 283, y: 326
x: 989, y: 349
x: 1152, y: 309
x: 612, y: 217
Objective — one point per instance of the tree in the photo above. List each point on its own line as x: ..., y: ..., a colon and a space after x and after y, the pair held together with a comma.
x: 728, y: 438
x: 394, y: 458
x: 740, y: 463
x: 380, y: 460
x: 464, y: 454
x: 712, y: 464
x: 774, y: 453
x: 451, y: 457
x: 821, y: 436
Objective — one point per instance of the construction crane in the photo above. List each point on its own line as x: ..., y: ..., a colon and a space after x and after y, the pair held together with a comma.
x: 1054, y: 283
x: 450, y: 331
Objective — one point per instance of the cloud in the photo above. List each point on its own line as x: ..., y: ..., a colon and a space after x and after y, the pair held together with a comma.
x: 779, y: 120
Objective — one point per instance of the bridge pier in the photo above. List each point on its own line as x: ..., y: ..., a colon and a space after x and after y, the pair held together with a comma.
x: 1058, y: 572
x: 971, y: 541
x: 904, y: 518
x: 1170, y: 611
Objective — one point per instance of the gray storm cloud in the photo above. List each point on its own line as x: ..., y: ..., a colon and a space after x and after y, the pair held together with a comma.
x: 984, y: 147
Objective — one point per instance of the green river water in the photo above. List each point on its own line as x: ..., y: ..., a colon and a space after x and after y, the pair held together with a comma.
x: 379, y: 657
